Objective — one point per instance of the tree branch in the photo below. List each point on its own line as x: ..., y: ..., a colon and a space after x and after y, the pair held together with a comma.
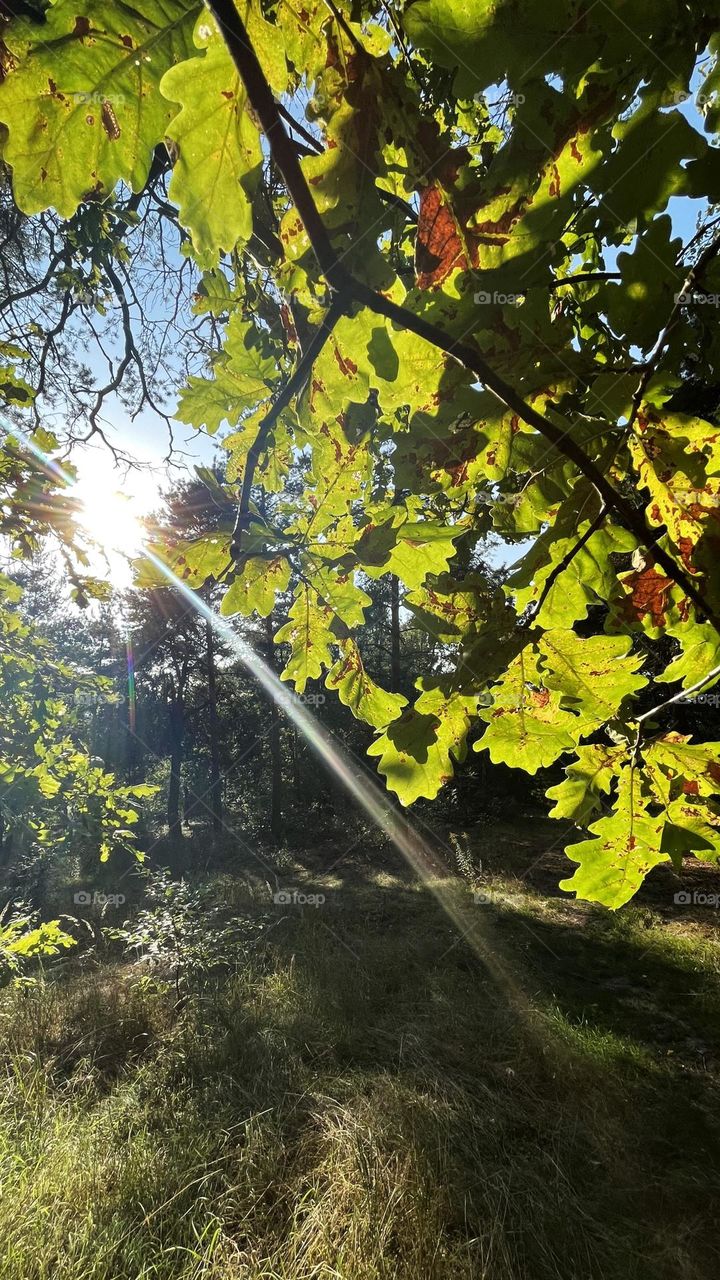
x: 340, y: 279
x: 682, y: 696
x: 11, y: 298
x: 292, y: 387
x: 709, y: 252
x: 314, y: 146
x: 584, y: 277
x: 281, y: 145
x: 564, y: 564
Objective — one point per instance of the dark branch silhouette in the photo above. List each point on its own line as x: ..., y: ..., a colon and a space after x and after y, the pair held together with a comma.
x: 341, y: 280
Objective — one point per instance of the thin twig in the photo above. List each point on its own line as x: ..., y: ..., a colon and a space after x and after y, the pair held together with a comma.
x: 584, y: 277
x: 565, y: 563
x: 345, y: 26
x: 11, y: 298
x: 292, y: 387
x: 681, y: 696
x: 711, y: 251
x: 313, y: 143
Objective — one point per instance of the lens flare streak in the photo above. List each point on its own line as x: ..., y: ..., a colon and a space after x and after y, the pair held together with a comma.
x: 416, y: 852
x: 449, y: 893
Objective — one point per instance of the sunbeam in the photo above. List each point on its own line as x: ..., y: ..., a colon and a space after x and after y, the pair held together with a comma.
x: 425, y: 863
x: 406, y: 839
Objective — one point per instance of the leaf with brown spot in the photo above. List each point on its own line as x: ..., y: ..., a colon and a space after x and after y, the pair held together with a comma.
x: 649, y: 594
x: 439, y: 248
x: 417, y: 750
x: 109, y: 58
x: 624, y: 847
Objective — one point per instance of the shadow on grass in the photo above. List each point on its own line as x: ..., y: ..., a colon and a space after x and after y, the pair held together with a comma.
x: 589, y: 1131
x: 362, y: 1097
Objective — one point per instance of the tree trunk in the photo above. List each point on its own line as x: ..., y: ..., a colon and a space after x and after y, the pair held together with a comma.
x: 132, y: 742
x: 175, y: 718
x: 215, y: 776
x: 276, y: 818
x: 6, y: 835
x: 394, y: 633
x: 296, y: 770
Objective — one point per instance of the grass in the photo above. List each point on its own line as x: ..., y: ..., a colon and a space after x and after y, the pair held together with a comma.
x: 360, y: 1099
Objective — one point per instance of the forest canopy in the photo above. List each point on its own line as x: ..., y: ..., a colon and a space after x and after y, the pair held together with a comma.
x: 436, y: 276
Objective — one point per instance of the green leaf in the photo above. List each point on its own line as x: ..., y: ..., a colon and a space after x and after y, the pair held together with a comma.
x: 338, y: 590
x: 673, y: 457
x: 338, y: 175
x: 625, y: 847
x: 700, y: 654
x: 213, y: 295
x: 82, y: 103
x: 309, y: 636
x: 417, y: 751
x: 14, y: 389
x: 359, y: 692
x: 594, y: 674
x: 486, y: 39
x: 657, y: 144
x: 256, y: 586
x: 218, y: 147
x: 651, y: 279
x: 420, y: 548
x: 691, y: 769
x: 527, y: 728
x: 242, y: 380
x: 452, y: 610
x: 555, y: 694
x: 589, y: 577
x: 694, y: 826
x: 46, y: 940
x: 663, y: 811
x: 205, y: 403
x: 588, y: 778
x: 251, y: 362
x: 193, y: 561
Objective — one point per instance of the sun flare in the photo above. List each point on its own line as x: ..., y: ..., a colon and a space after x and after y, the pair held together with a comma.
x: 111, y: 511
x: 108, y: 518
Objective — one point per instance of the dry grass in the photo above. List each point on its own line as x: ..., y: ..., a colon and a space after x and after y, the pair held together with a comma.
x: 360, y: 1101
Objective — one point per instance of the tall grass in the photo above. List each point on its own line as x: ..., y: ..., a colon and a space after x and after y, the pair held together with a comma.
x: 358, y: 1100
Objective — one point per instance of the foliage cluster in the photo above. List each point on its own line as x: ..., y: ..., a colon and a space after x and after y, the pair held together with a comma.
x: 452, y: 302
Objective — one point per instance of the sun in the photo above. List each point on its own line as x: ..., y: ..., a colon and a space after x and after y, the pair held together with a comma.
x: 112, y: 505
x: 109, y: 519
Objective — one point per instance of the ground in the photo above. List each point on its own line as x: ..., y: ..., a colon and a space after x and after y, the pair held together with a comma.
x: 366, y: 1095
